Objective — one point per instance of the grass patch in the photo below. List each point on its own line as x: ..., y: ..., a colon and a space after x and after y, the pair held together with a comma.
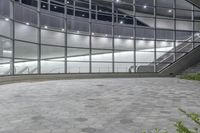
x: 192, y: 76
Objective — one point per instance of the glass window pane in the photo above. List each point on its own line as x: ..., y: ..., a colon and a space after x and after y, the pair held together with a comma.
x: 124, y: 67
x: 102, y: 42
x: 51, y: 52
x: 165, y: 23
x: 26, y: 50
x: 51, y: 22
x: 52, y: 37
x: 184, y: 25
x: 101, y: 55
x: 124, y: 56
x: 78, y: 67
x: 25, y: 66
x: 52, y: 66
x: 26, y: 33
x: 5, y: 65
x: 102, y: 28
x: 101, y: 67
x: 5, y: 47
x: 25, y: 14
x: 123, y: 44
x: 75, y: 54
x: 77, y: 41
x: 5, y: 8
x: 77, y: 25
x: 6, y: 27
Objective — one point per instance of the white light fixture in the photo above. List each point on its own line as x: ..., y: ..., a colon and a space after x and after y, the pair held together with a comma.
x: 119, y: 36
x: 106, y: 35
x: 121, y: 22
x: 117, y: 1
x: 55, y: 7
x: 67, y: 2
x: 100, y: 10
x: 145, y: 6
x: 46, y: 27
x: 131, y: 37
x: 43, y: 6
x: 7, y: 19
x: 170, y: 10
x: 27, y: 23
x: 83, y: 15
x: 92, y: 33
x: 63, y: 30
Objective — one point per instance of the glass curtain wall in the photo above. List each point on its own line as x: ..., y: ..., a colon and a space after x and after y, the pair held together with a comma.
x: 91, y: 36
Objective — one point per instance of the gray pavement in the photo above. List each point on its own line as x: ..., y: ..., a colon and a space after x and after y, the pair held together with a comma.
x: 119, y: 105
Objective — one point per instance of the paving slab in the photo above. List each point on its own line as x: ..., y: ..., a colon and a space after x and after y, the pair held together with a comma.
x: 112, y: 105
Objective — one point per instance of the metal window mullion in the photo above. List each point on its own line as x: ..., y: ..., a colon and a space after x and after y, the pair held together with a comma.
x: 96, y: 15
x: 49, y: 5
x: 113, y: 38
x: 174, y: 18
x: 193, y: 28
x: 39, y: 37
x: 155, y: 36
x: 134, y: 41
x: 74, y: 7
x: 65, y: 32
x: 90, y: 37
x: 12, y: 67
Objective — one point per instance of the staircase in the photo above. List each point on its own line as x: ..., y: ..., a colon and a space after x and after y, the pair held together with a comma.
x: 169, y: 58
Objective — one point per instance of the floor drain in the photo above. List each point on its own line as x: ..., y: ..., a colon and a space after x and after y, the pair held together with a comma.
x: 89, y: 130
x: 99, y: 85
x: 126, y: 121
x: 81, y: 119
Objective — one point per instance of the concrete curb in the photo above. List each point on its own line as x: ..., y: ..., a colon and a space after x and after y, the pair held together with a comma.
x: 29, y: 78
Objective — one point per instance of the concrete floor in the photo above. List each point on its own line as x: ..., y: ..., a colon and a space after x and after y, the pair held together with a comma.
x: 118, y: 105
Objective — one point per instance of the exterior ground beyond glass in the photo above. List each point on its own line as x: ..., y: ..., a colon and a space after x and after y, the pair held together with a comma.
x: 95, y: 36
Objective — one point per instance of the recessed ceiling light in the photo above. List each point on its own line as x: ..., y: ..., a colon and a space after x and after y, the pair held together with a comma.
x: 83, y: 15
x: 67, y: 2
x: 145, y: 6
x: 119, y: 36
x: 7, y: 19
x: 106, y: 34
x: 121, y: 22
x: 170, y: 10
x: 55, y: 7
x: 63, y: 29
x: 100, y: 10
x: 43, y: 6
x: 117, y: 1
x: 92, y: 33
x: 27, y: 23
x: 46, y: 27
